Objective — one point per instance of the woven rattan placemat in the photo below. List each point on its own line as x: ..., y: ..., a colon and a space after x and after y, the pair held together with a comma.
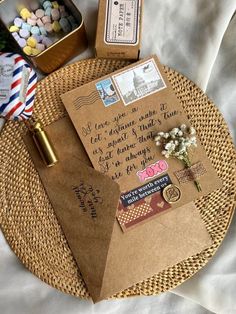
x: 27, y: 217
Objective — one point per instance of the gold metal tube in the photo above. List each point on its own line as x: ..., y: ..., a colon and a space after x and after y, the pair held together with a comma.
x: 44, y: 145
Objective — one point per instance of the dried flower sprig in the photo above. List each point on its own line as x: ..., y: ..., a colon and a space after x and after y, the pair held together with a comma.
x: 177, y: 144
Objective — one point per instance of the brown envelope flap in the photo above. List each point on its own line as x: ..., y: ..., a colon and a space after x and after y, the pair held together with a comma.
x: 84, y: 200
x: 110, y: 260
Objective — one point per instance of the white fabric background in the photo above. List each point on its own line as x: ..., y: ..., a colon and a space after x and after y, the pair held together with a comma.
x: 197, y: 38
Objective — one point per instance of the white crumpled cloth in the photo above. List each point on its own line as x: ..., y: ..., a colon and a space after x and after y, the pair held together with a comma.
x: 198, y: 39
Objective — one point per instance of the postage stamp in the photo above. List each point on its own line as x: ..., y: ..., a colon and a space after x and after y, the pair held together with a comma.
x: 139, y: 82
x: 107, y: 92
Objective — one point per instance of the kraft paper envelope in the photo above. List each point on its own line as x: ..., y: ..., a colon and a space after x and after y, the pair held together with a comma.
x: 85, y: 202
x: 117, y: 117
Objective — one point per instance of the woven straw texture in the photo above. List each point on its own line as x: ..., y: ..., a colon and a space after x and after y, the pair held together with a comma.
x: 27, y: 217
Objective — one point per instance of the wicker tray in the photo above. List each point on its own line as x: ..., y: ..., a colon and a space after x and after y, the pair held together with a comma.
x: 27, y: 217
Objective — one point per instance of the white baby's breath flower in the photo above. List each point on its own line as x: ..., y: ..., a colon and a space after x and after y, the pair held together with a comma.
x: 192, y: 131
x: 182, y: 148
x: 157, y: 138
x: 165, y: 153
x: 170, y: 147
x: 174, y: 132
x: 177, y: 144
x: 166, y: 135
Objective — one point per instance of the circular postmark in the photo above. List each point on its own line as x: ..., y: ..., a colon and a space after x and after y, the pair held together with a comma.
x: 171, y: 194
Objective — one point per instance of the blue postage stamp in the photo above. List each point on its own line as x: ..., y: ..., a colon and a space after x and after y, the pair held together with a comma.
x: 107, y: 92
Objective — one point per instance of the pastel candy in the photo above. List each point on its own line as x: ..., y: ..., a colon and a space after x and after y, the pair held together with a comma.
x: 14, y: 29
x: 33, y: 16
x: 48, y: 11
x: 31, y: 21
x: 25, y: 13
x: 47, y: 41
x: 15, y: 35
x: 35, y: 30
x: 43, y: 31
x: 55, y: 5
x: 31, y: 41
x: 40, y: 47
x: 39, y: 22
x: 48, y: 27
x: 26, y: 26
x: 40, y: 13
x: 27, y: 50
x: 72, y: 21
x: 22, y: 42
x: 55, y: 14
x: 65, y: 25
x: 24, y: 33
x: 18, y: 22
x: 47, y: 4
x: 35, y: 52
x: 46, y: 19
x: 56, y: 26
x: 38, y: 38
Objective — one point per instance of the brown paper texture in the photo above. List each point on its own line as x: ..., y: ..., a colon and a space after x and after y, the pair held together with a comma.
x: 117, y: 117
x: 85, y: 202
x: 119, y: 29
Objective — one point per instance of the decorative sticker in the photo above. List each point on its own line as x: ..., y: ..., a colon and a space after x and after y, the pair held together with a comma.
x: 139, y: 82
x: 107, y: 92
x: 142, y: 203
x: 153, y: 170
x: 191, y: 174
x: 122, y: 22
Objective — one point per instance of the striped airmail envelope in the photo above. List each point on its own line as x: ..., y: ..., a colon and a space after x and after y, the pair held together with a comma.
x: 17, y: 87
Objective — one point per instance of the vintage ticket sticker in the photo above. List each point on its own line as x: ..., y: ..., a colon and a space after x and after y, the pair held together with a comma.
x: 122, y: 22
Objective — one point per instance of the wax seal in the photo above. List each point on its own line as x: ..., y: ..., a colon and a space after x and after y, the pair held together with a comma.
x: 171, y: 194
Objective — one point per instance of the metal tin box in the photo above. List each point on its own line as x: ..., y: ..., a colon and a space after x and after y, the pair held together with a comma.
x: 63, y: 49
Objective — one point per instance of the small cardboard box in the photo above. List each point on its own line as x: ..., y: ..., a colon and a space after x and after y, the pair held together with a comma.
x: 119, y: 29
x: 63, y: 49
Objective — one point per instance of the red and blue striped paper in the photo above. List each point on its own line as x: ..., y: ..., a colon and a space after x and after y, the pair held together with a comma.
x: 15, y: 109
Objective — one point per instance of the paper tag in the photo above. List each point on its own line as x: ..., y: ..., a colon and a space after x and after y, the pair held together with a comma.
x: 6, y: 75
x: 24, y: 84
x: 122, y: 22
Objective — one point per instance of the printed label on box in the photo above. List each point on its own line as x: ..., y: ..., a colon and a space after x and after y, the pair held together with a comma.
x: 122, y: 22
